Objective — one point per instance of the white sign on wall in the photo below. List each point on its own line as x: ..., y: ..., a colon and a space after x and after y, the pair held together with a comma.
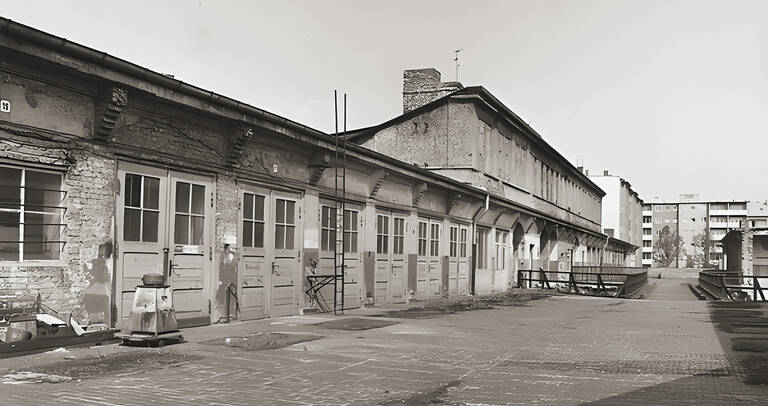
x: 5, y: 106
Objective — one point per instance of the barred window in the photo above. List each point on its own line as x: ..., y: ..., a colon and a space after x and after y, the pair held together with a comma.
x: 31, y: 214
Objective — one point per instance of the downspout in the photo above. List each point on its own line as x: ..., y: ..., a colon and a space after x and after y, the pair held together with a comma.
x: 478, y: 214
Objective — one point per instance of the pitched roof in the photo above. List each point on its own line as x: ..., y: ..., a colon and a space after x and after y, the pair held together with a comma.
x: 363, y: 134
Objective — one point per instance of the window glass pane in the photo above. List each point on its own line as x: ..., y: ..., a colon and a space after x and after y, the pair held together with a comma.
x: 132, y: 225
x: 182, y: 197
x: 289, y: 237
x: 385, y: 225
x: 132, y: 191
x: 198, y: 227
x: 259, y: 207
x: 247, y: 206
x: 324, y: 240
x: 181, y: 229
x: 151, y: 193
x: 9, y: 226
x: 149, y: 226
x: 279, y: 237
x: 280, y: 211
x: 258, y: 235
x: 290, y: 209
x: 247, y: 233
x: 324, y: 216
x: 37, y: 237
x: 198, y: 199
x: 9, y: 251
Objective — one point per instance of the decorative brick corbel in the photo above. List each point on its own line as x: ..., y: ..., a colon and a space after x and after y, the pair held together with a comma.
x: 452, y: 200
x: 320, y: 162
x: 244, y: 134
x: 108, y: 110
x: 377, y: 179
x: 418, y: 191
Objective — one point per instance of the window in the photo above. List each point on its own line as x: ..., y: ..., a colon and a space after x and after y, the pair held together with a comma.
x: 382, y: 234
x: 647, y: 243
x: 285, y: 224
x: 463, y: 243
x: 399, y: 237
x: 647, y: 255
x: 501, y: 249
x: 350, y: 230
x: 30, y: 214
x: 327, y: 228
x: 189, y: 220
x: 434, y: 240
x: 453, y: 241
x: 253, y: 220
x: 646, y: 219
x: 141, y: 210
x: 422, y: 238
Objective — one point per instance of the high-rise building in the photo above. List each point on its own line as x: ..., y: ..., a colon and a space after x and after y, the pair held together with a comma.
x: 686, y: 233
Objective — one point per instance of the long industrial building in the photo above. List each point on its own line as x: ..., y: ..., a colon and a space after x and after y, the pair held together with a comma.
x: 110, y: 171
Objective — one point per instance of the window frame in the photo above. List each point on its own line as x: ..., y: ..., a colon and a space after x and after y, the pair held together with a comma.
x: 382, y: 234
x: 21, y: 211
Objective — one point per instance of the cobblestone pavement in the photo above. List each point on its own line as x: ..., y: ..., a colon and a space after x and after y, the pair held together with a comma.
x: 562, y: 350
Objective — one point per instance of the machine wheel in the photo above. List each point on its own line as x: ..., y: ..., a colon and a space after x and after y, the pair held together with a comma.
x: 161, y: 343
x: 181, y: 339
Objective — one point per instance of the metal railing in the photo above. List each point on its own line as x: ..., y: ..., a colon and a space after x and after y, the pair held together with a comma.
x: 733, y: 286
x: 624, y: 285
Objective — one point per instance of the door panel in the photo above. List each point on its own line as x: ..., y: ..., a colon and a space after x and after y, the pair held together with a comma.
x: 191, y: 254
x: 383, y: 270
x: 285, y: 259
x: 141, y: 219
x: 435, y: 269
x: 465, y: 250
x: 255, y: 266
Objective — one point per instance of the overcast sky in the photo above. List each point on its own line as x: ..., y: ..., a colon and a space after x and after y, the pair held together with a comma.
x: 670, y: 95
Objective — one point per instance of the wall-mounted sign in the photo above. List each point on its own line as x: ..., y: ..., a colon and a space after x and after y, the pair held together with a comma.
x: 5, y: 106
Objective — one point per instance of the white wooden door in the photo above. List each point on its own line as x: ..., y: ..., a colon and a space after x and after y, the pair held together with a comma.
x: 453, y: 260
x: 141, y: 220
x: 285, y: 265
x: 435, y: 270
x: 383, y: 266
x: 164, y: 223
x: 191, y: 248
x: 422, y: 267
x: 465, y: 250
x: 254, y: 266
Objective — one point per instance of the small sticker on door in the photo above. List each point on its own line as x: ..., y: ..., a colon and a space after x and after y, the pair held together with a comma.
x: 190, y: 249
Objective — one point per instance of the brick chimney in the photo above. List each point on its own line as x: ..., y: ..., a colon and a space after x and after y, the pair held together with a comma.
x: 421, y: 86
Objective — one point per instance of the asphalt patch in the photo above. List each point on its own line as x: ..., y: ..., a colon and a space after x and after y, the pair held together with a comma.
x: 424, y: 398
x: 444, y: 307
x: 356, y: 324
x: 101, y: 365
x: 263, y: 341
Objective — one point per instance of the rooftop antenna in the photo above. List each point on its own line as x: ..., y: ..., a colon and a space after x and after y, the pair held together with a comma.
x: 456, y: 59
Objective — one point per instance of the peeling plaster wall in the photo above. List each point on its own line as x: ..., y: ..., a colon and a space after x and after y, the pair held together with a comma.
x: 166, y: 130
x: 37, y: 104
x: 226, y: 243
x: 80, y: 282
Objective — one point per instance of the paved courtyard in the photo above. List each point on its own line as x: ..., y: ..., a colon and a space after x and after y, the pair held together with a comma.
x: 560, y: 350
